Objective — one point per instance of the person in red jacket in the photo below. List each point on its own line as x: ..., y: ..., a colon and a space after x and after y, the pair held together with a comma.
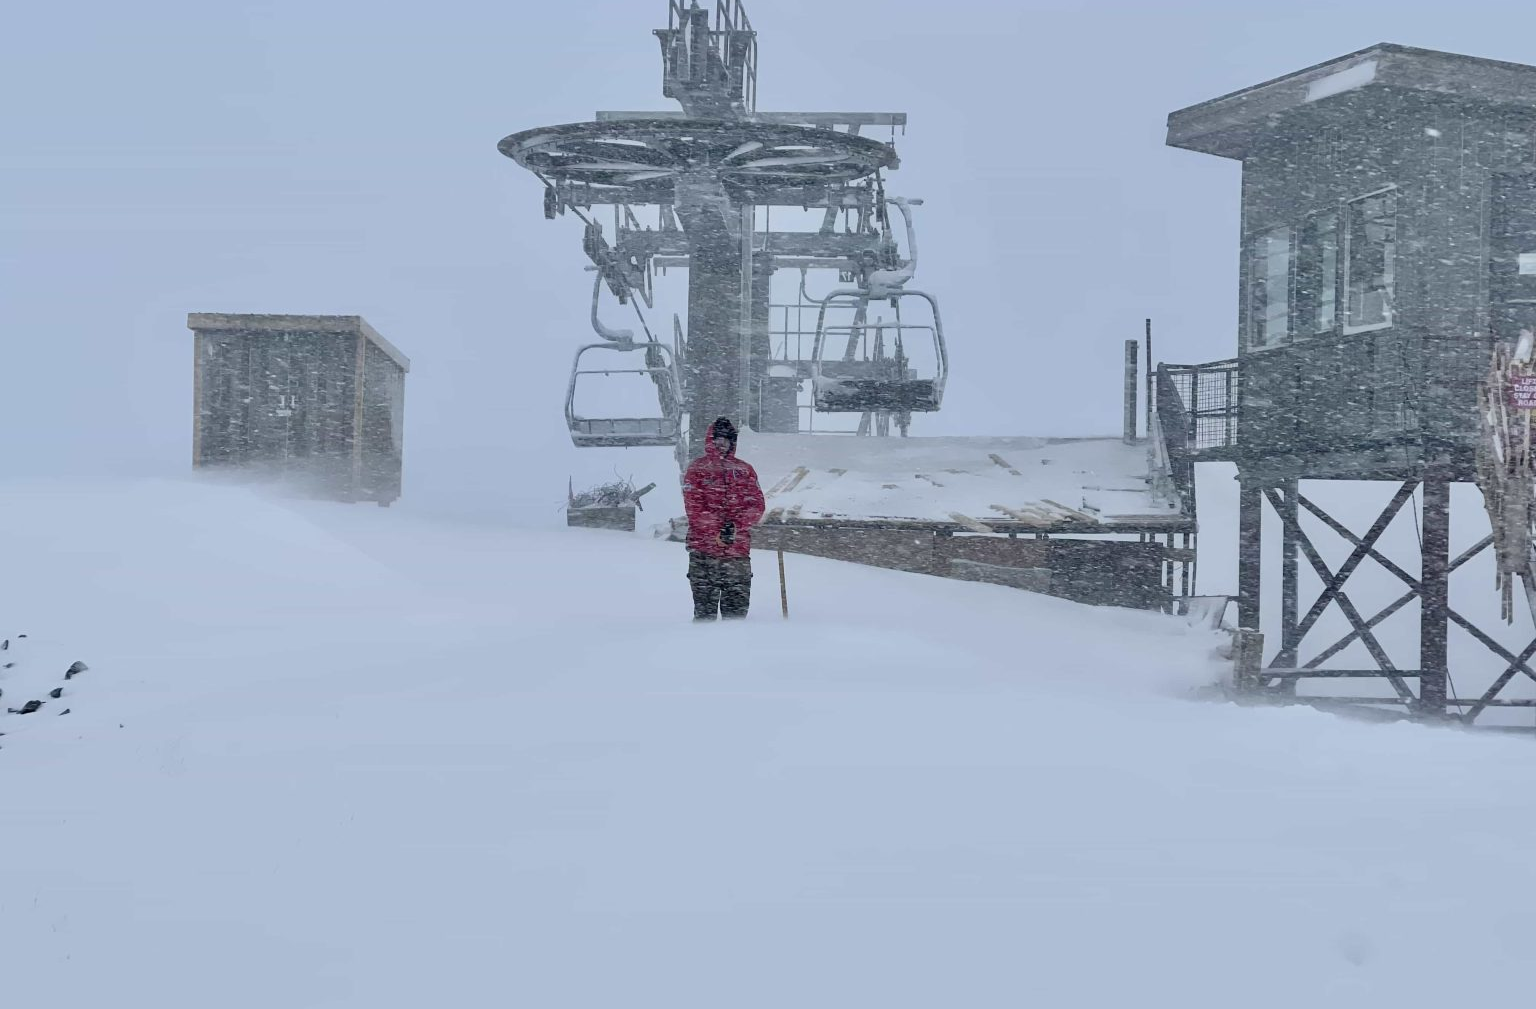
x: 724, y: 502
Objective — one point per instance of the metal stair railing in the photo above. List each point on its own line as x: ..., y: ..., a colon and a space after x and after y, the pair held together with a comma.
x: 1194, y: 418
x: 1206, y: 396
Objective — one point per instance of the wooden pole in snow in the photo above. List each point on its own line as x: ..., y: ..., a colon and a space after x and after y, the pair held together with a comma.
x: 1151, y: 389
x: 783, y: 589
x: 1131, y: 375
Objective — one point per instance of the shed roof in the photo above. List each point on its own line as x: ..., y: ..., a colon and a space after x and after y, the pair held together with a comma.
x: 1036, y: 485
x: 226, y: 322
x: 1227, y: 126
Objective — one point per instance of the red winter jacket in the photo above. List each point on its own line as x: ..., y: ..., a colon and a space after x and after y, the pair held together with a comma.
x: 720, y: 488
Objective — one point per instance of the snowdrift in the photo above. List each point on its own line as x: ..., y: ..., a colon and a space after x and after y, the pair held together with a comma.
x: 327, y: 756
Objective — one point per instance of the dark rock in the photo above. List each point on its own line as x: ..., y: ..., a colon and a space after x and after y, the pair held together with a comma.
x: 56, y: 693
x: 26, y: 709
x: 75, y: 670
x: 66, y: 711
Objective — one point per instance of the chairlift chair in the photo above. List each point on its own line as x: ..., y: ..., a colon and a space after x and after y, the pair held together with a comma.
x: 874, y: 374
x: 871, y: 374
x: 659, y: 366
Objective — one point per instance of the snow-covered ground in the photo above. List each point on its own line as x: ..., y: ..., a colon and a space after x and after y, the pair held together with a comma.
x: 332, y: 756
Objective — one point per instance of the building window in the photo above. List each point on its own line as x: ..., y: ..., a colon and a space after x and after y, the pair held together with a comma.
x: 1370, y: 251
x: 1317, y: 290
x: 1269, y: 309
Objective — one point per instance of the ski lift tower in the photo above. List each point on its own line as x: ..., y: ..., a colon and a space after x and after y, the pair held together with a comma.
x: 705, y: 170
x: 1388, y: 245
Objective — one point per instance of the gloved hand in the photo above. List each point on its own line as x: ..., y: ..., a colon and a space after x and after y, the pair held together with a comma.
x: 728, y: 534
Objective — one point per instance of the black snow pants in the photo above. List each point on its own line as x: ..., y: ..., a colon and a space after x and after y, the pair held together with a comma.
x: 722, y: 586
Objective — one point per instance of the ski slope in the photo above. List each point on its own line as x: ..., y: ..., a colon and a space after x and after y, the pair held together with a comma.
x: 328, y: 756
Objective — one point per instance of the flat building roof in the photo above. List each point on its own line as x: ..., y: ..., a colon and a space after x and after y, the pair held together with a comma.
x: 1228, y: 125
x: 234, y: 322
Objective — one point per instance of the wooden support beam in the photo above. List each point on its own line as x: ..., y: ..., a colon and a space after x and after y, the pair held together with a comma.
x: 1399, y: 603
x: 1331, y: 586
x: 1368, y: 547
x: 1282, y: 673
x: 1434, y: 595
x: 1290, y: 629
x: 1354, y: 634
x: 1335, y: 593
x: 1250, y: 523
x: 1499, y: 684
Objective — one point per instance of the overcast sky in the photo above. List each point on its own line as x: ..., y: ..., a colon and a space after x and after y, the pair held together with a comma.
x: 310, y: 157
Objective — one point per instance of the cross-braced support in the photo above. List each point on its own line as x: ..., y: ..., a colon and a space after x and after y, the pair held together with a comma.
x: 1279, y: 677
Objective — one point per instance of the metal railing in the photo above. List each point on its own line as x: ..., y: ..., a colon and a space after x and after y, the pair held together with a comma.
x: 1194, y: 418
x: 788, y: 343
x: 732, y: 27
x: 701, y: 57
x: 1197, y: 406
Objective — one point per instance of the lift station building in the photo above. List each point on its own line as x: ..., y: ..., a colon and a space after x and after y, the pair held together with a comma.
x: 1388, y: 241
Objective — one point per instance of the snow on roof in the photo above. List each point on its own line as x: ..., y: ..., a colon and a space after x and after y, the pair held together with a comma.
x: 980, y: 484
x: 1348, y: 79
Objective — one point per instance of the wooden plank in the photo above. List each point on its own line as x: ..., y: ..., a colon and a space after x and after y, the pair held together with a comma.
x: 1071, y: 511
x: 1033, y: 515
x: 1021, y: 515
x: 969, y: 523
x: 789, y: 481
x: 1004, y: 464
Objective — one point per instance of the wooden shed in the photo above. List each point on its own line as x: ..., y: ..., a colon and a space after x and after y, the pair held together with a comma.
x: 314, y: 401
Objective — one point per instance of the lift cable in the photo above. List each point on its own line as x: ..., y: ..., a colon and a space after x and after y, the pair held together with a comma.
x: 641, y: 316
x: 650, y: 337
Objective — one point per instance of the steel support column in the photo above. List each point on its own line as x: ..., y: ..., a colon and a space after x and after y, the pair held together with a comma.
x: 714, y: 358
x: 714, y: 347
x: 746, y: 224
x: 762, y: 346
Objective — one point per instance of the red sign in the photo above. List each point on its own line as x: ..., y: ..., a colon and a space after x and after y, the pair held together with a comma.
x: 1522, y: 392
